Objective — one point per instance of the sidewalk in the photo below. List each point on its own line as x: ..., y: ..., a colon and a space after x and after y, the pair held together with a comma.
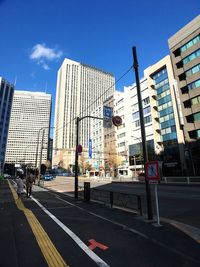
x: 17, y: 243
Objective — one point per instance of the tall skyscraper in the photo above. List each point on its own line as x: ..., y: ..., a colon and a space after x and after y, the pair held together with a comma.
x: 80, y: 89
x: 185, y: 55
x: 30, y: 118
x: 6, y: 98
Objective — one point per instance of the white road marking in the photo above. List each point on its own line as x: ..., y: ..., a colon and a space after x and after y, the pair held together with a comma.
x: 78, y: 241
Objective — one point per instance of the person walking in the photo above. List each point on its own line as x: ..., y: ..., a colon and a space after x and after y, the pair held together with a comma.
x: 20, y: 185
x: 29, y: 183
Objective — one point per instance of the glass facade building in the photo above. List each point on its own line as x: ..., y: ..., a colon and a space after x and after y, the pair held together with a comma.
x: 165, y: 107
x: 6, y: 98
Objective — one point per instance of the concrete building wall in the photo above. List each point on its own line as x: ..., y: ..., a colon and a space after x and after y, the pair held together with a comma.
x: 80, y: 89
x: 30, y: 113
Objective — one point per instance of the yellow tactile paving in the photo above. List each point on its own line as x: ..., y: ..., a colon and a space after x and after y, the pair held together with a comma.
x: 52, y: 256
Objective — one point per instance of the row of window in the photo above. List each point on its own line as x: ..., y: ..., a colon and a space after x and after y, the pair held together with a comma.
x: 167, y: 124
x: 194, y: 85
x: 196, y: 116
x: 164, y: 106
x: 195, y: 100
x: 191, y: 57
x: 164, y: 100
x: 168, y: 130
x: 190, y: 43
x: 193, y: 70
x: 163, y: 94
x: 147, y: 119
x: 121, y: 135
x: 166, y: 118
x: 146, y: 110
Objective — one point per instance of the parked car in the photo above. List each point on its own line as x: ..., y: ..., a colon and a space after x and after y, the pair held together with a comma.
x: 47, y: 177
x: 7, y: 176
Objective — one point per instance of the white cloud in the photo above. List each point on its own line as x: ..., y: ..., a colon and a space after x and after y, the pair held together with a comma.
x: 45, y: 66
x: 40, y: 53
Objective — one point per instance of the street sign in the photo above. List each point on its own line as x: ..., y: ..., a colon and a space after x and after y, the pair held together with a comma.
x: 152, y: 170
x: 117, y: 120
x: 107, y: 117
x: 90, y: 148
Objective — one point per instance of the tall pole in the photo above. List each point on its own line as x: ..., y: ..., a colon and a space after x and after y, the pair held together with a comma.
x: 41, y: 153
x: 76, y: 160
x: 36, y: 155
x: 143, y: 135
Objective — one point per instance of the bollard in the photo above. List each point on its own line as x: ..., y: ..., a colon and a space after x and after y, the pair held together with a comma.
x: 86, y: 191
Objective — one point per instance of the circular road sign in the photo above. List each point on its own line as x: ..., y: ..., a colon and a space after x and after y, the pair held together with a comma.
x: 117, y: 120
x: 79, y: 149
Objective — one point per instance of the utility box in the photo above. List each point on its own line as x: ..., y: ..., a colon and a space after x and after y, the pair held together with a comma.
x: 86, y: 191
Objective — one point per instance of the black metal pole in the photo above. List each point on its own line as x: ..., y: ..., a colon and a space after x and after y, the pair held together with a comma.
x: 143, y: 135
x: 76, y: 160
x: 36, y: 154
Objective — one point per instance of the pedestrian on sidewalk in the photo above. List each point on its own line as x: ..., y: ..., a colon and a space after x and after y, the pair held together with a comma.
x: 20, y: 185
x: 30, y: 179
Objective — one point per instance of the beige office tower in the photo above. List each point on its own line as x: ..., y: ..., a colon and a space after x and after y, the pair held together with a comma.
x: 167, y: 117
x: 31, y: 112
x: 80, y: 90
x: 185, y: 55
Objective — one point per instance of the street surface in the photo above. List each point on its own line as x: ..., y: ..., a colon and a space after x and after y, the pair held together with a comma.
x: 90, y: 234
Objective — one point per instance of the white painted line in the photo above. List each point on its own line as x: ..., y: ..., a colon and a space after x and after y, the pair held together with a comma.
x: 78, y: 241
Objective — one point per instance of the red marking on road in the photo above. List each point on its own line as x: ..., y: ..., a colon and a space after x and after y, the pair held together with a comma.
x: 94, y: 244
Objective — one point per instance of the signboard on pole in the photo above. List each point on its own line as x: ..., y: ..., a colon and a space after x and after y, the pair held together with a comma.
x: 90, y: 148
x: 107, y: 117
x: 152, y: 171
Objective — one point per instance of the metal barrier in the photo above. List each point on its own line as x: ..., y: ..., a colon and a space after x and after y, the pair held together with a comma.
x: 181, y: 180
x: 118, y: 199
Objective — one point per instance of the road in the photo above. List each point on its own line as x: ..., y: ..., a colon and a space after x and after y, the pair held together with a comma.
x: 90, y: 234
x: 176, y: 202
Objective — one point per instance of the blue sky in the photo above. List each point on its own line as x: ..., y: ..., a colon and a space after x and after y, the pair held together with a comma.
x: 37, y: 35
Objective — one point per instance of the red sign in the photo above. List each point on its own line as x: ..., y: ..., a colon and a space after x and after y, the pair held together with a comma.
x: 152, y: 170
x: 117, y: 120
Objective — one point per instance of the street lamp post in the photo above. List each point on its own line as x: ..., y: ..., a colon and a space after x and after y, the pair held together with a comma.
x: 37, y: 147
x: 143, y: 135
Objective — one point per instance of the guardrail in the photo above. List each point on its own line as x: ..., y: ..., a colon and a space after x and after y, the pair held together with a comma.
x: 118, y: 199
x: 181, y: 180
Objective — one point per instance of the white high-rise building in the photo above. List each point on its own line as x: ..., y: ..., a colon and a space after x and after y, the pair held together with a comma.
x: 30, y: 117
x: 80, y: 90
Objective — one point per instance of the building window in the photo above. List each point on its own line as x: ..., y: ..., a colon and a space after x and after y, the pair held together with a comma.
x: 196, y: 116
x: 190, y: 43
x: 135, y: 115
x: 194, y: 84
x: 195, y: 100
x: 191, y: 57
x: 193, y: 70
x: 146, y: 101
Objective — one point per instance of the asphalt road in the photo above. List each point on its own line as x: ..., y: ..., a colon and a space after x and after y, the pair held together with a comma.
x: 90, y: 234
x: 176, y: 202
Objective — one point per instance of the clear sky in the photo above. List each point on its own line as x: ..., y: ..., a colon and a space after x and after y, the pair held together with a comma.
x: 37, y: 35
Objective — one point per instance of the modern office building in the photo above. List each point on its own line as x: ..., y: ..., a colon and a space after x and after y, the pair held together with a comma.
x: 167, y: 119
x: 132, y: 129
x: 6, y: 98
x: 80, y: 90
x: 185, y: 55
x: 29, y: 128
